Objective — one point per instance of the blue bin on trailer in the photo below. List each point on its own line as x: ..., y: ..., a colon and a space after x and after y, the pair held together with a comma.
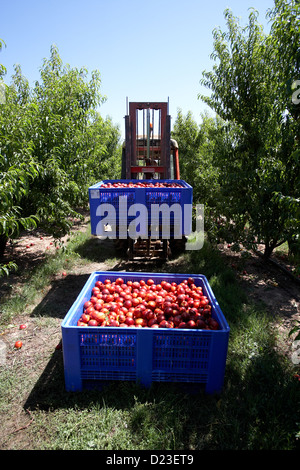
x: 175, y: 203
x: 145, y: 355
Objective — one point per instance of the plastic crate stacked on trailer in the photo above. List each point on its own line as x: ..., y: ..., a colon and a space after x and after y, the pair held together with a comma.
x: 145, y: 355
x: 117, y: 208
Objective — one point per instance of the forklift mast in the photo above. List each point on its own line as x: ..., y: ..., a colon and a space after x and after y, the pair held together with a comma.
x: 148, y: 151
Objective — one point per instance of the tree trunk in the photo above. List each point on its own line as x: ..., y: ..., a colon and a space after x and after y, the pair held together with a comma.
x: 269, y: 247
x: 3, y: 241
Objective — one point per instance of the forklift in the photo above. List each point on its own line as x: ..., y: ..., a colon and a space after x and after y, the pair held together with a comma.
x: 149, y: 153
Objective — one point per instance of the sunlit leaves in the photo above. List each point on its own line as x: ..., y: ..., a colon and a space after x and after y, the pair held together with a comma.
x: 248, y: 85
x: 53, y: 145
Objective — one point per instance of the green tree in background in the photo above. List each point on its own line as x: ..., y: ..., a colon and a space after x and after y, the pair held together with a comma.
x: 245, y: 94
x: 196, y: 153
x: 54, y: 144
x: 201, y: 150
x: 17, y: 166
x: 285, y: 40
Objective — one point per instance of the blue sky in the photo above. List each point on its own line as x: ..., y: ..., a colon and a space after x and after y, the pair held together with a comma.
x: 144, y: 50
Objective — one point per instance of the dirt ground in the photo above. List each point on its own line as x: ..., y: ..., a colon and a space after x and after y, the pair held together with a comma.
x: 277, y: 290
x: 262, y: 281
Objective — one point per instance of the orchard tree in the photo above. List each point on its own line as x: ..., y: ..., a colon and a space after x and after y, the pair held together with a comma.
x: 187, y: 134
x: 196, y: 150
x: 53, y: 145
x: 99, y: 154
x: 63, y: 99
x: 244, y: 93
x: 17, y: 166
x: 75, y: 145
x: 285, y: 39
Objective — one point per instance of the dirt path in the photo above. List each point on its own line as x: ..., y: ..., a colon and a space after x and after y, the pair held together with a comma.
x: 42, y: 335
x: 261, y: 281
x: 267, y: 284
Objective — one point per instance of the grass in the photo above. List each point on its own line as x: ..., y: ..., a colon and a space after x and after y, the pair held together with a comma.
x: 257, y: 409
x: 80, y: 249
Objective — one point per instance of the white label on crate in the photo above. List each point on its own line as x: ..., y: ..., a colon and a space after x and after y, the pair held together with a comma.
x: 95, y: 193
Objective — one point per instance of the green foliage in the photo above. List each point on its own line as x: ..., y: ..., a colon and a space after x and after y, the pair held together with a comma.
x: 295, y: 329
x: 258, y: 157
x: 14, y: 185
x: 7, y: 268
x: 285, y: 39
x: 2, y: 68
x: 54, y: 144
x: 197, y: 147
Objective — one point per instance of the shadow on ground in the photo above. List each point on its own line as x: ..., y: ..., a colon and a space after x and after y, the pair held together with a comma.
x: 61, y: 297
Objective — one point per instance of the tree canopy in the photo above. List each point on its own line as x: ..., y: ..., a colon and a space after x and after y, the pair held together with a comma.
x: 251, y: 91
x: 54, y: 144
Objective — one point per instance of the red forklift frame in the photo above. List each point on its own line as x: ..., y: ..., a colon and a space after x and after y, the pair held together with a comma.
x: 147, y: 155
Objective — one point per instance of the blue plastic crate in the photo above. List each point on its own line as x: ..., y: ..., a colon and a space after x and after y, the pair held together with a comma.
x: 144, y: 355
x: 176, y: 205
